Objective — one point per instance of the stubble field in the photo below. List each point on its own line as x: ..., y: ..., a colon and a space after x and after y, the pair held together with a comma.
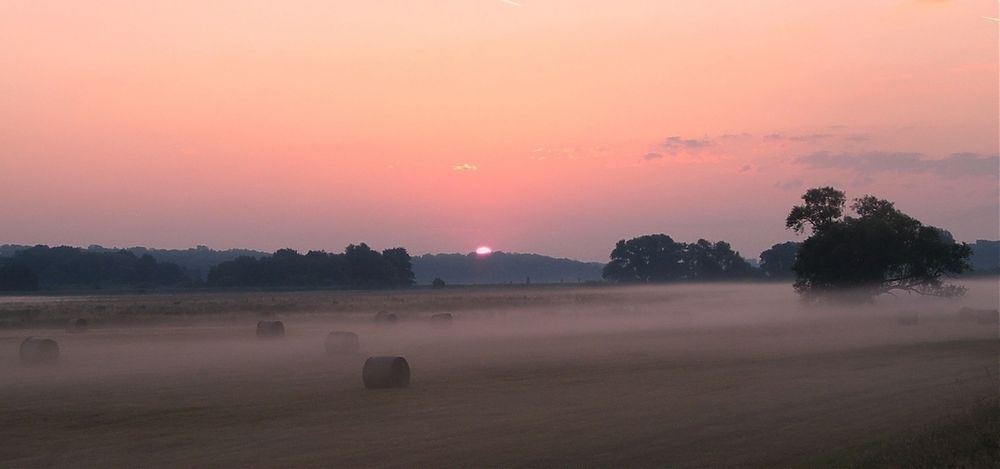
x: 684, y: 375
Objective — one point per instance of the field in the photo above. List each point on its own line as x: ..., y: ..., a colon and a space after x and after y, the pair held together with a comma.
x: 681, y: 376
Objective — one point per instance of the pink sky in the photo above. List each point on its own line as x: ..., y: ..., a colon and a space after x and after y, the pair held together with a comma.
x: 556, y: 127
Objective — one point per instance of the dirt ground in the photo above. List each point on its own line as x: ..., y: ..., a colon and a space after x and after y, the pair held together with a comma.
x: 681, y: 376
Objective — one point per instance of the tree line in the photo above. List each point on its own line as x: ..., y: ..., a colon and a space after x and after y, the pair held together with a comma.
x: 49, y: 268
x: 872, y: 250
x: 42, y: 267
x: 877, y: 250
x: 358, y: 267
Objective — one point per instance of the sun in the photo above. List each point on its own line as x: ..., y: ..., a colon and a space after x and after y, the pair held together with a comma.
x: 484, y: 250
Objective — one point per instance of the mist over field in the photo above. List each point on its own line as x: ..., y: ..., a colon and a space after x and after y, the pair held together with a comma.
x: 499, y: 233
x: 682, y: 375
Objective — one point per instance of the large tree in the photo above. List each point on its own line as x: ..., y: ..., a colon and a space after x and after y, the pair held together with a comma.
x: 880, y: 250
x: 401, y: 266
x: 650, y: 258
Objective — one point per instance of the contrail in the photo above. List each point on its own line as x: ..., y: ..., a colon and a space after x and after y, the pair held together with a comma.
x: 511, y: 2
x: 991, y: 18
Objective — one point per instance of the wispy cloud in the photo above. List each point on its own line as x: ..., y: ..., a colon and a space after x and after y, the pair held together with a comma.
x: 511, y: 3
x: 866, y: 163
x: 674, y: 145
x: 775, y: 137
x: 858, y: 138
x: 653, y: 156
x: 791, y: 184
x: 465, y: 167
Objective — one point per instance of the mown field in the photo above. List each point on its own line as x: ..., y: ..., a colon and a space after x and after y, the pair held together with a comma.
x: 681, y: 376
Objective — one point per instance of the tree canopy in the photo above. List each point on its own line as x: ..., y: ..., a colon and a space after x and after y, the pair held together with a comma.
x: 658, y: 258
x: 17, y: 277
x: 358, y: 267
x: 778, y: 261
x: 64, y: 266
x: 880, y: 250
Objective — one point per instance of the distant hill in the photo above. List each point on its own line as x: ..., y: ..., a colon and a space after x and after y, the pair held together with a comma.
x: 986, y: 257
x: 502, y: 267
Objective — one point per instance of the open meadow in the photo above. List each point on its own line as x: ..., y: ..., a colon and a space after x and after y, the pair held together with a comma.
x: 680, y: 375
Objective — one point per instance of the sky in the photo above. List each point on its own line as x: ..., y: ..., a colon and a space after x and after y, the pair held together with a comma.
x: 550, y: 126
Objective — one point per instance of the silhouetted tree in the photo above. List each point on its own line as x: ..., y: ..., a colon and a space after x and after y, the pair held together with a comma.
x: 358, y: 267
x: 778, y: 261
x: 400, y: 266
x: 880, y: 250
x: 823, y: 206
x: 437, y: 283
x: 707, y: 261
x: 649, y: 258
x: 658, y: 258
x: 365, y: 268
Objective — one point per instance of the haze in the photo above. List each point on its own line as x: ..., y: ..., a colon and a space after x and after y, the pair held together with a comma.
x: 442, y: 126
x: 666, y: 375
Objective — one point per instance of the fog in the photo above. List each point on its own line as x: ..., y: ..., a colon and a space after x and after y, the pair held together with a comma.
x: 681, y: 374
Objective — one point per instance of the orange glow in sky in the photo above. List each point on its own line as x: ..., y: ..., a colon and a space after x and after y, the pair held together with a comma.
x: 549, y: 126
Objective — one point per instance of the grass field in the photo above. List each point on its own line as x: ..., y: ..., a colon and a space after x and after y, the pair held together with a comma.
x: 681, y: 376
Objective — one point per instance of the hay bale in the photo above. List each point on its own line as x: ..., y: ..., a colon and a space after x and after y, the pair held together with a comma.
x: 443, y: 319
x: 386, y: 372
x: 39, y: 350
x: 385, y: 317
x: 270, y: 329
x: 341, y: 342
x: 77, y: 326
x: 908, y: 318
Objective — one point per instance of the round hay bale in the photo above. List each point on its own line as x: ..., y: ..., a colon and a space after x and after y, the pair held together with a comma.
x: 908, y: 318
x: 270, y: 329
x: 385, y: 317
x: 386, y: 372
x: 77, y: 326
x: 341, y: 342
x: 442, y: 319
x: 39, y: 350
